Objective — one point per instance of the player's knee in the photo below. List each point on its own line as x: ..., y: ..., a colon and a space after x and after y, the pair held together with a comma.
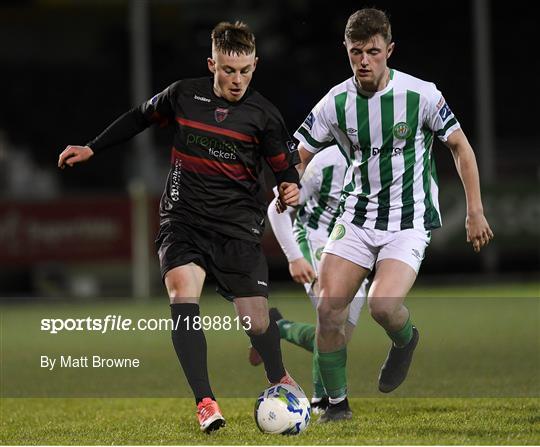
x: 174, y: 290
x: 330, y: 325
x: 258, y: 326
x: 380, y: 312
x: 330, y: 318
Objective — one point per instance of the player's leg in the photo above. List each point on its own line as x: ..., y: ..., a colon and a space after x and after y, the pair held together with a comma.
x: 184, y: 277
x: 241, y: 271
x: 320, y: 398
x: 397, y: 268
x: 184, y: 286
x: 348, y: 258
x: 339, y: 281
x: 303, y: 335
x: 391, y: 284
x: 263, y: 333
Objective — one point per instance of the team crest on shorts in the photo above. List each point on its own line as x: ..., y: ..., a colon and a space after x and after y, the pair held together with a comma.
x: 318, y: 253
x: 338, y: 232
x: 402, y: 131
x: 220, y: 114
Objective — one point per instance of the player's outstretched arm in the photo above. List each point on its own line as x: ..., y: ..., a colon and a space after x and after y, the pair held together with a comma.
x: 74, y: 154
x: 478, y: 231
x: 122, y: 129
x: 301, y: 271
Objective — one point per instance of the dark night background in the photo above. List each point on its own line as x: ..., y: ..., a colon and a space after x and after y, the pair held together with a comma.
x: 66, y: 64
x: 66, y: 75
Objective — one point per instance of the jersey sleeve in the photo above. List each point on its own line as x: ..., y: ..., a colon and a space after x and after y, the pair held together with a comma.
x: 315, y: 131
x: 439, y: 118
x: 160, y: 109
x: 278, y: 148
x: 283, y: 231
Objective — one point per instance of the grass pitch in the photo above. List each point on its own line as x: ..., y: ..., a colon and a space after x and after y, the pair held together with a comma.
x: 151, y: 421
x: 474, y: 380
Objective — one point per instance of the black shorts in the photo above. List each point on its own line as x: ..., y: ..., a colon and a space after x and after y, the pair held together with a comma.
x: 239, y: 266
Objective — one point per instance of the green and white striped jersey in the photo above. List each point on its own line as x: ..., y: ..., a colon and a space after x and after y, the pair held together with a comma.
x: 391, y: 182
x: 322, y: 185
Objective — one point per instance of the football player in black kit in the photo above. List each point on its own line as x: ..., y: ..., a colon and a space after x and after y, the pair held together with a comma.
x: 213, y: 208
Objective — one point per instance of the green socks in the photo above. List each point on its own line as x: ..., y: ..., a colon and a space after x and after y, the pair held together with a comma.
x: 333, y: 367
x: 303, y: 335
x: 318, y: 387
x: 300, y: 334
x: 329, y: 370
x: 403, y: 336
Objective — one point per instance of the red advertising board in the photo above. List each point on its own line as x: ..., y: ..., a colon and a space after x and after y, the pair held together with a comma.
x: 67, y: 229
x: 79, y: 230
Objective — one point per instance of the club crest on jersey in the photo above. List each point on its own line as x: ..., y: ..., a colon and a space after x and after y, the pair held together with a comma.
x: 402, y: 131
x: 220, y: 114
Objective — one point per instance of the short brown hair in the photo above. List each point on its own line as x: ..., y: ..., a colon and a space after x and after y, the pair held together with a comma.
x: 233, y: 38
x: 366, y: 23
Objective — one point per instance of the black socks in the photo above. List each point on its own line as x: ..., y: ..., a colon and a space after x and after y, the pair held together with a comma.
x: 268, y: 347
x: 190, y: 347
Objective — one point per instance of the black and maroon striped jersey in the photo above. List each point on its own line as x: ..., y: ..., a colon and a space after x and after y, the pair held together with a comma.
x: 216, y: 178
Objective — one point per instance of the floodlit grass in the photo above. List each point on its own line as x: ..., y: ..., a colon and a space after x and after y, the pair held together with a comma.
x: 474, y: 380
x: 172, y: 421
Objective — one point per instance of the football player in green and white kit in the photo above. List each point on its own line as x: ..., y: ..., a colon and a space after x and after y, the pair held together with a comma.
x: 303, y: 242
x: 385, y: 121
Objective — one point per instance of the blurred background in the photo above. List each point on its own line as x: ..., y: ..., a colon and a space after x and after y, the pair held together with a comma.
x: 69, y: 68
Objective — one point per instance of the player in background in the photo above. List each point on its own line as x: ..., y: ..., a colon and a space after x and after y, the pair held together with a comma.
x: 302, y: 243
x: 385, y: 121
x: 212, y: 211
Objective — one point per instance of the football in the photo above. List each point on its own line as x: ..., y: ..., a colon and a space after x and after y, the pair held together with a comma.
x: 282, y: 409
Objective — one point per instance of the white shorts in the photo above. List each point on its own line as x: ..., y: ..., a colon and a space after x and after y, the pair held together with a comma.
x: 366, y: 246
x: 315, y: 243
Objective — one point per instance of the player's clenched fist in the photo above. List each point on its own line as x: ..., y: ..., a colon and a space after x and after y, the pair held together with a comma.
x: 74, y: 154
x: 289, y: 194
